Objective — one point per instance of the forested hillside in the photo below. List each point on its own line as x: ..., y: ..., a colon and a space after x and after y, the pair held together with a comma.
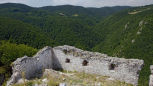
x: 21, y: 33
x: 90, y: 12
x: 61, y: 25
x: 129, y: 36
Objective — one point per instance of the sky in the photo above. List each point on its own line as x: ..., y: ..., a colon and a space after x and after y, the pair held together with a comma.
x: 84, y: 3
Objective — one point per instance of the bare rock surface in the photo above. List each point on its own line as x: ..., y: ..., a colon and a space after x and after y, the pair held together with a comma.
x: 20, y: 81
x: 110, y: 79
x: 62, y: 84
x: 151, y: 80
x: 151, y: 76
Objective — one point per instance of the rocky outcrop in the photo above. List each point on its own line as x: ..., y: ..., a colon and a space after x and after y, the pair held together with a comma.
x: 151, y: 76
x: 71, y: 58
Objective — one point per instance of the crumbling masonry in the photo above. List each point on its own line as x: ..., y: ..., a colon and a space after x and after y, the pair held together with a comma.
x: 71, y: 58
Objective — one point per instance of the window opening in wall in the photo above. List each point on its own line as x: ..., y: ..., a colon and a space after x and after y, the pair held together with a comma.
x: 85, y: 63
x: 138, y: 71
x: 67, y: 60
x: 112, y: 67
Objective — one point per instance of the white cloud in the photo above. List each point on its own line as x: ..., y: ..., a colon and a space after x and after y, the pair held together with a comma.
x: 85, y: 3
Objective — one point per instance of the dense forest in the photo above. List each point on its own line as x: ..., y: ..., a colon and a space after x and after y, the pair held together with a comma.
x: 129, y: 36
x: 67, y: 24
x: 121, y: 31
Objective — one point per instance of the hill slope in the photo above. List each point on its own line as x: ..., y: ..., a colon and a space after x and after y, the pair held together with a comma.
x: 94, y: 12
x: 67, y: 24
x: 22, y: 33
x: 62, y: 29
x: 129, y: 36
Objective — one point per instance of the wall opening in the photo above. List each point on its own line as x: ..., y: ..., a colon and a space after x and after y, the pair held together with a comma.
x: 67, y: 60
x: 112, y: 67
x: 85, y: 63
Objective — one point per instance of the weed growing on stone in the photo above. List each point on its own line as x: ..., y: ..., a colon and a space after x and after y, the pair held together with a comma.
x: 23, y: 76
x: 52, y: 81
x: 30, y: 83
x: 17, y: 84
x: 38, y: 81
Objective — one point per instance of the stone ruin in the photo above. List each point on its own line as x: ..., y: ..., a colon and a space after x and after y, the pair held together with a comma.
x: 74, y: 59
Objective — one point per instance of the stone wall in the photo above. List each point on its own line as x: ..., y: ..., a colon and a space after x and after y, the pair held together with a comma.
x: 71, y: 58
x: 31, y: 66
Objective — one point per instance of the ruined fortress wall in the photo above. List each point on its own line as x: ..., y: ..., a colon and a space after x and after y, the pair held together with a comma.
x: 71, y: 58
x: 30, y: 66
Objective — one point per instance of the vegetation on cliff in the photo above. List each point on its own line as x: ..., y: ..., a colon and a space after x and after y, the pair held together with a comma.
x: 129, y: 36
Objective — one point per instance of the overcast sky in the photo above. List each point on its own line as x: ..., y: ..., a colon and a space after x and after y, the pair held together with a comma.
x: 84, y: 3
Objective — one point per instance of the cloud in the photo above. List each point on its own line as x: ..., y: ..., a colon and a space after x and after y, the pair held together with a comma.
x: 85, y: 3
x: 102, y: 3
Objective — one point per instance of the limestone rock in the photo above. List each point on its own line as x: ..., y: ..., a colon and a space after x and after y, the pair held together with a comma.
x: 151, y: 69
x: 141, y: 23
x: 138, y: 32
x: 63, y: 79
x: 14, y: 78
x: 45, y: 80
x: 62, y: 84
x: 43, y: 84
x: 20, y: 81
x: 97, y: 84
x: 110, y: 79
x: 151, y: 76
x: 151, y: 80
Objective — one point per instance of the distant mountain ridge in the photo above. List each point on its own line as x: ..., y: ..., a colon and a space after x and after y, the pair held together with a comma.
x: 103, y: 11
x: 70, y: 9
x: 16, y: 5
